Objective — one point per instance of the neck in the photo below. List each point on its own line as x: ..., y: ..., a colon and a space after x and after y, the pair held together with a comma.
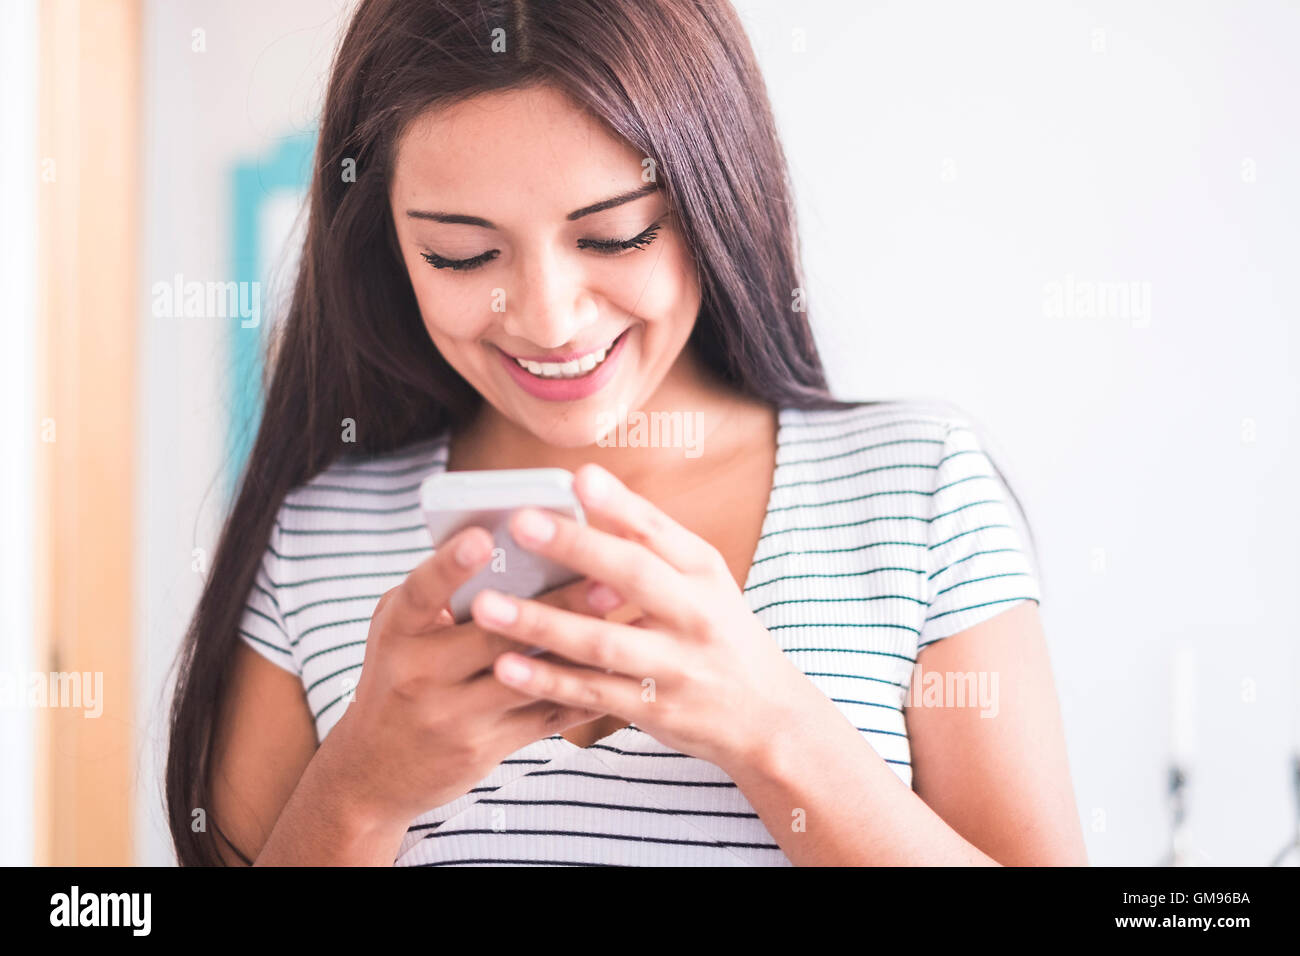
x: 689, y: 395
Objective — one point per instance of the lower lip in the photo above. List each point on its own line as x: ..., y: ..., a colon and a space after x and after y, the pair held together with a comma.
x: 566, y: 389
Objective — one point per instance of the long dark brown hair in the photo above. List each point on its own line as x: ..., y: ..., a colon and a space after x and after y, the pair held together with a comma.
x: 676, y: 79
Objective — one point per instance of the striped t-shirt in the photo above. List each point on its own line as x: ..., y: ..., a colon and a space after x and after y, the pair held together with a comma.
x: 887, y: 529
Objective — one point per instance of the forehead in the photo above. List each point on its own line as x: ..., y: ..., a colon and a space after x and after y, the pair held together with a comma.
x: 494, y: 150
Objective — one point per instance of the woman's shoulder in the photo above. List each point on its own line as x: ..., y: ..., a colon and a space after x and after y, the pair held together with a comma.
x: 885, y: 451
x: 920, y: 415
x: 396, y: 472
x: 361, y: 501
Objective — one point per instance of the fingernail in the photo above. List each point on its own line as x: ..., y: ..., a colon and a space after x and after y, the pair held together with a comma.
x: 469, y: 552
x: 496, y: 608
x: 595, y: 484
x: 603, y: 598
x: 535, y: 526
x: 515, y: 671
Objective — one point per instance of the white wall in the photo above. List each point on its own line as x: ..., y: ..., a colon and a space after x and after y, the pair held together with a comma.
x: 950, y: 161
x: 1119, y: 165
x: 19, y: 173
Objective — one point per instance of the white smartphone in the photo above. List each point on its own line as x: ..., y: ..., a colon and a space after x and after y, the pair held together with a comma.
x: 453, y: 500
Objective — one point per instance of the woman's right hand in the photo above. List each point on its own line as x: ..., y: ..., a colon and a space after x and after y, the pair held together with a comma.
x: 429, y: 719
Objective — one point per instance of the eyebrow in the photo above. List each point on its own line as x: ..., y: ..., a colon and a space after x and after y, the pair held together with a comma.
x: 460, y: 219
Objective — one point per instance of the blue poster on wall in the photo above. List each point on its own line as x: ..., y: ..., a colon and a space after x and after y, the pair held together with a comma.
x: 267, y: 199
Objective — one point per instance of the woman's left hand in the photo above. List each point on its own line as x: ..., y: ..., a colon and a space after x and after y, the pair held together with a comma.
x: 698, y: 671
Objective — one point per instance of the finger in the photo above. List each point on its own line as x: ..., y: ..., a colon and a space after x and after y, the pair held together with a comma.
x: 601, y: 644
x: 541, y: 718
x: 574, y: 596
x: 593, y: 598
x: 425, y: 592
x: 636, y: 518
x: 466, y: 650
x: 487, y: 695
x: 634, y: 572
x: 472, y: 648
x: 571, y: 685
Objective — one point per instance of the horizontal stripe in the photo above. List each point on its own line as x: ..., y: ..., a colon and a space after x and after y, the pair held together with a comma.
x: 284, y: 585
x: 613, y: 806
x: 595, y: 834
x: 972, y: 607
x: 406, y: 529
x: 853, y: 474
x: 399, y: 509
x: 826, y: 577
x: 843, y: 524
x: 330, y: 556
x: 274, y: 647
x: 347, y: 490
x: 987, y: 577
x: 860, y: 547
x: 420, y: 467
x: 332, y: 649
x: 836, y: 502
x: 338, y: 600
x: 500, y: 861
x: 971, y: 557
x: 838, y: 600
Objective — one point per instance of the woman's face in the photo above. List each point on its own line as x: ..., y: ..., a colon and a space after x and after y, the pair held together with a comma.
x: 501, y: 204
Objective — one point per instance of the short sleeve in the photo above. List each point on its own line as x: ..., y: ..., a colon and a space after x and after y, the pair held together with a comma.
x: 978, y: 561
x: 262, y: 627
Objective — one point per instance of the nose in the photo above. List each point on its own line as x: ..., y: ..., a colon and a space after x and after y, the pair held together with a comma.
x: 550, y: 304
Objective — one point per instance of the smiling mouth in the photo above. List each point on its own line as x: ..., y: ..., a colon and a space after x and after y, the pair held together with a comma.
x: 578, y: 368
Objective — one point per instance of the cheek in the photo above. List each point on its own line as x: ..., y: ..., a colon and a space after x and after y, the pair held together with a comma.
x: 665, y: 293
x: 453, y: 310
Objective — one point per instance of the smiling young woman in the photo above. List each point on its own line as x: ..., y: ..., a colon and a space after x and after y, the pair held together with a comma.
x: 546, y: 225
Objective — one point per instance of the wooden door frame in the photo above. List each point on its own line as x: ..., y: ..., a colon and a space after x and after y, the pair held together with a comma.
x: 88, y: 248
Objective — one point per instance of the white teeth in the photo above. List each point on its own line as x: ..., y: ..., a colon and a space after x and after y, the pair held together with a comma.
x: 567, y: 369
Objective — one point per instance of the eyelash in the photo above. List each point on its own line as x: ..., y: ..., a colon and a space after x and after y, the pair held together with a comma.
x: 602, y: 246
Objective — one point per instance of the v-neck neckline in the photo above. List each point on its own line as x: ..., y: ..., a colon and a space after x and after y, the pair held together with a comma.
x: 782, y: 420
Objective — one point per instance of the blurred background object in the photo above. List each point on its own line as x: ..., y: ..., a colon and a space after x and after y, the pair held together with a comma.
x: 1077, y: 223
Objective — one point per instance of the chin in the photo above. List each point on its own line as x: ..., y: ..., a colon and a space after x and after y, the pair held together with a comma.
x: 580, y: 425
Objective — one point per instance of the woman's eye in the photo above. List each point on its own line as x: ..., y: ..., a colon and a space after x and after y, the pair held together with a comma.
x: 611, y: 246
x: 605, y: 246
x: 438, y: 262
